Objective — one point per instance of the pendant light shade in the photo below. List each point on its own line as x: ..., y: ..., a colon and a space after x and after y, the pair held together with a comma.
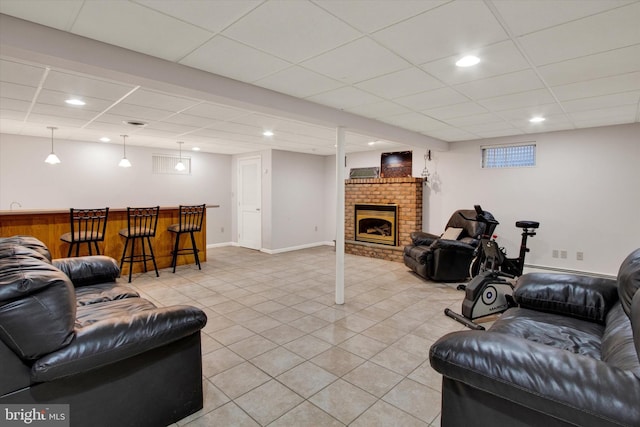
x: 124, y: 163
x: 52, y: 159
x: 180, y: 166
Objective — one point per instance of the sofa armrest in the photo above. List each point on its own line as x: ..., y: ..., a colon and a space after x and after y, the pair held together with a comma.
x: 420, y: 238
x: 451, y: 244
x: 118, y: 338
x: 89, y: 270
x: 582, y: 297
x: 546, y: 379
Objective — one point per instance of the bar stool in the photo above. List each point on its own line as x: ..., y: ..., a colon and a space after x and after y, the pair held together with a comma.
x: 190, y: 222
x: 141, y: 225
x: 87, y: 226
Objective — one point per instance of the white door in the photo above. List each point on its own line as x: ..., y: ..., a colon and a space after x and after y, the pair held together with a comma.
x: 250, y: 202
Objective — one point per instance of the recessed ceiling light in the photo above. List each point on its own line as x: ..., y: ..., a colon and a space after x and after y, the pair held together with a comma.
x: 468, y: 61
x: 267, y: 133
x: 371, y: 142
x: 105, y: 139
x: 75, y: 101
x: 537, y: 119
x: 196, y: 148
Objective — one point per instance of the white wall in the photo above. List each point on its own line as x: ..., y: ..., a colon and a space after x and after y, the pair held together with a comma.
x: 89, y: 176
x: 583, y: 191
x: 297, y: 203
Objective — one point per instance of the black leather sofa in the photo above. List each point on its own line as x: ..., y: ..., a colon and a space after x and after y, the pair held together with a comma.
x: 569, y: 355
x: 70, y: 334
x: 446, y: 260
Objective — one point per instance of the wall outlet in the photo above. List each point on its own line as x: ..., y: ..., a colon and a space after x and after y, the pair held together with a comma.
x: 580, y: 256
x: 563, y: 254
x: 554, y: 253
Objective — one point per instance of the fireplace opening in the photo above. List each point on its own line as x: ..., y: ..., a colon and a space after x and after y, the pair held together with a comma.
x: 376, y: 224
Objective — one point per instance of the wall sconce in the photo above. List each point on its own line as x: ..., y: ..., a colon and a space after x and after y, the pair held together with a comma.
x: 52, y: 159
x: 124, y: 163
x: 425, y: 172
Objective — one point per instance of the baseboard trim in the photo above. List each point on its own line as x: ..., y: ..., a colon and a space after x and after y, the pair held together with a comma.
x: 569, y: 271
x: 219, y: 245
x: 295, y: 248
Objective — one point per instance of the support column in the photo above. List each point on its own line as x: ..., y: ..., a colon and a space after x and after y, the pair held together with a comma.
x: 340, y: 215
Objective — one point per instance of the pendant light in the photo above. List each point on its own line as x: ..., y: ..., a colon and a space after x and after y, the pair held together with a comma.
x: 124, y: 163
x: 180, y: 166
x: 52, y: 159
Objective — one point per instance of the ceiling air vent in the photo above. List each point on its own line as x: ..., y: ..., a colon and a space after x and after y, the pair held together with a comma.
x: 166, y: 165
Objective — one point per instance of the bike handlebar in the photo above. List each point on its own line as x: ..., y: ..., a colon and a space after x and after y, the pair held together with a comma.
x: 480, y: 216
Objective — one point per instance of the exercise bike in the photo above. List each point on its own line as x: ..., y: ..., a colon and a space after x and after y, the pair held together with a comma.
x: 489, y: 292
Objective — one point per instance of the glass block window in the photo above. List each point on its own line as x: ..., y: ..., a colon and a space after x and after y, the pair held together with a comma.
x: 509, y: 156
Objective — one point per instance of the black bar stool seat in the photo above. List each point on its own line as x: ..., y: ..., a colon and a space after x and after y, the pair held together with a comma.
x: 190, y: 218
x: 87, y: 226
x: 141, y: 225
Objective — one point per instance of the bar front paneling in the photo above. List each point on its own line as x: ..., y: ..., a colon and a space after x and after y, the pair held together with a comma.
x: 49, y: 225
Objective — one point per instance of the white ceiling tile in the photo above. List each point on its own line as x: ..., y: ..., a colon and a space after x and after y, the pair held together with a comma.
x: 400, y: 83
x: 499, y: 58
x: 527, y: 113
x: 474, y: 120
x: 189, y: 120
x: 456, y: 110
x: 229, y: 58
x: 137, y: 112
x: 126, y: 24
x: 597, y: 87
x: 432, y: 99
x: 210, y: 15
x: 291, y: 30
x: 63, y: 111
x: 299, y: 82
x: 552, y: 122
x: 519, y: 81
x: 215, y: 111
x: 606, y: 31
x: 10, y: 111
x: 454, y: 28
x: 612, y: 115
x: 371, y: 15
x: 343, y: 98
x: 159, y: 100
x: 359, y: 60
x: 451, y: 133
x: 606, y: 101
x: 379, y: 109
x: 58, y: 14
x: 526, y: 16
x: 174, y: 128
x: 81, y: 85
x: 17, y: 92
x: 53, y: 97
x: 496, y: 133
x: 619, y: 61
x: 517, y: 100
x: 22, y: 74
x: 485, y: 127
x: 48, y: 120
x: 415, y: 121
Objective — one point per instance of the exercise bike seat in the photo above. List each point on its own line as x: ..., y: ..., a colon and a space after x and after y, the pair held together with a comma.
x: 527, y: 224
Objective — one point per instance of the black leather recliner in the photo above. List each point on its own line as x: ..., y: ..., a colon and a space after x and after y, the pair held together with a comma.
x: 69, y: 334
x: 569, y: 355
x: 446, y: 260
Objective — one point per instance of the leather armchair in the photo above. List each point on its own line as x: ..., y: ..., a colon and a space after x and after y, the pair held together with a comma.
x: 446, y: 260
x: 69, y: 333
x: 568, y: 355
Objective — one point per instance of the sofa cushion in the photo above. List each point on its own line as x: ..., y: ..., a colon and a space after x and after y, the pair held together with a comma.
x: 629, y: 280
x: 562, y: 332
x: 583, y: 297
x: 37, y: 306
x: 617, y: 342
x: 94, y: 294
x: 26, y: 242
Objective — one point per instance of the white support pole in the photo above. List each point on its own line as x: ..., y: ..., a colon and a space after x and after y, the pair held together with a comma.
x: 340, y: 166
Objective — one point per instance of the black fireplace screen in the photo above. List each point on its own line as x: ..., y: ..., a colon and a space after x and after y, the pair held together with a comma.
x: 376, y: 224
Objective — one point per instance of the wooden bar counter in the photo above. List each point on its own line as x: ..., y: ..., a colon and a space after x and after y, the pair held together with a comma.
x: 49, y: 225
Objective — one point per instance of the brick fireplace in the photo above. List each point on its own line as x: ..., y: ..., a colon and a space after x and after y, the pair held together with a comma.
x: 404, y: 193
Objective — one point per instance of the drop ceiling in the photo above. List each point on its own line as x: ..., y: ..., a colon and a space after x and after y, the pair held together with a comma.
x: 387, y: 66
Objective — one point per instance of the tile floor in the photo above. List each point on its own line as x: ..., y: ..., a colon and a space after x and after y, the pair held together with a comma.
x: 277, y: 350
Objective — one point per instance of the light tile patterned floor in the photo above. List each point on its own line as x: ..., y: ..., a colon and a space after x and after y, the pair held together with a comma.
x: 278, y: 351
